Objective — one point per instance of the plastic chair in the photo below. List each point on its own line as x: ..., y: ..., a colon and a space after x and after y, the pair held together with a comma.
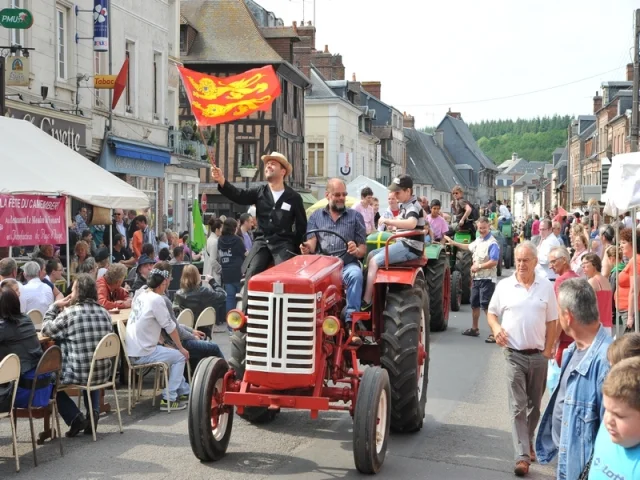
x: 50, y: 363
x: 10, y: 372
x: 137, y: 369
x: 186, y: 318
x: 109, y: 347
x: 206, y: 319
x: 36, y: 317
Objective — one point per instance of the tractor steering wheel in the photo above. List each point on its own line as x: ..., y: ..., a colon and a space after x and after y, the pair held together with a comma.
x: 338, y: 253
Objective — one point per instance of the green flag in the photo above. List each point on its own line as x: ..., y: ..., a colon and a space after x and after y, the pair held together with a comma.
x: 198, y: 239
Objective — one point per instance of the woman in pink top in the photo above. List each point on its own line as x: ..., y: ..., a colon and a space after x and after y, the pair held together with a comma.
x: 592, y: 266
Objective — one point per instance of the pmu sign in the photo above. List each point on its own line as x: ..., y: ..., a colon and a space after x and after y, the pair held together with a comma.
x: 20, y: 18
x: 100, y: 25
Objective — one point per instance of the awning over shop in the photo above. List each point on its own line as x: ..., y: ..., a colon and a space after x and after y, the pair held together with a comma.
x: 137, y: 150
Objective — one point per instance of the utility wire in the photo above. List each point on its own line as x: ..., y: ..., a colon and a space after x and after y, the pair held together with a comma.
x: 445, y: 104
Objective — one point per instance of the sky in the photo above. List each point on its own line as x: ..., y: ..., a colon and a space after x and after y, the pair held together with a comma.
x: 432, y: 55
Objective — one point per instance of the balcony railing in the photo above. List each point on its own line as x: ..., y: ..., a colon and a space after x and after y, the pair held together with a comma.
x: 186, y: 148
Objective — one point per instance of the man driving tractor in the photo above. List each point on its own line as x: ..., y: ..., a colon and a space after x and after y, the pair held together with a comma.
x: 349, y: 224
x: 282, y: 221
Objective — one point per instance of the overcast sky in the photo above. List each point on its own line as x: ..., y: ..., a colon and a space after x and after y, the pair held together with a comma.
x: 431, y: 54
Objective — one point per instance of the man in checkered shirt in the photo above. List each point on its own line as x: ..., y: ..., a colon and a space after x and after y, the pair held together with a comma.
x: 77, y: 323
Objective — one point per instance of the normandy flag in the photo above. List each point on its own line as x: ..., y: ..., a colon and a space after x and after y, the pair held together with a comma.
x: 220, y: 100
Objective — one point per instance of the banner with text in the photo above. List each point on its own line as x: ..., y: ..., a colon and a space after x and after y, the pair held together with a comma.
x: 32, y: 220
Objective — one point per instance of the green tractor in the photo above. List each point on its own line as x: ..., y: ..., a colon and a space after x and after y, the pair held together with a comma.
x: 443, y: 285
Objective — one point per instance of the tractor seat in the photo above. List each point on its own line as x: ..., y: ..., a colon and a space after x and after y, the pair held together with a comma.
x: 418, y: 262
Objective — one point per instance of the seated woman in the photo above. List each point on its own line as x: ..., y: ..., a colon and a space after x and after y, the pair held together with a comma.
x: 193, y: 340
x: 149, y: 316
x: 18, y: 335
x: 89, y: 266
x: 82, y: 252
x: 195, y: 296
x: 77, y: 323
x: 110, y: 292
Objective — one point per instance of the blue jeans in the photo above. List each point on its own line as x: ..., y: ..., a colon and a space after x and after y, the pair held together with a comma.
x: 231, y: 289
x: 69, y: 410
x: 199, y: 349
x: 398, y: 253
x: 352, y: 279
x: 177, y: 384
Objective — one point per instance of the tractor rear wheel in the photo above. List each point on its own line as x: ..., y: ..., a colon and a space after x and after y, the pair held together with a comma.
x: 437, y: 275
x: 464, y: 260
x: 508, y: 257
x: 371, y: 420
x: 499, y: 266
x: 456, y: 290
x: 238, y: 361
x: 209, y: 424
x: 405, y: 353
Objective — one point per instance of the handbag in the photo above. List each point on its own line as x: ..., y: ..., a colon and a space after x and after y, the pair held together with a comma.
x: 584, y: 475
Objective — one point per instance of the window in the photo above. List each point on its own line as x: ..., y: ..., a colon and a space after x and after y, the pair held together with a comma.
x: 316, y: 159
x: 157, y: 84
x: 17, y: 35
x: 183, y: 39
x: 61, y: 25
x: 285, y: 96
x: 245, y: 155
x: 130, y: 86
x: 295, y: 102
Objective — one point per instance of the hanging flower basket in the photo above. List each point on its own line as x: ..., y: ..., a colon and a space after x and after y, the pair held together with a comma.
x: 248, y: 171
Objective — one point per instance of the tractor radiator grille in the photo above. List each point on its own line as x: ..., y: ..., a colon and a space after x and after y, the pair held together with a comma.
x: 281, y: 332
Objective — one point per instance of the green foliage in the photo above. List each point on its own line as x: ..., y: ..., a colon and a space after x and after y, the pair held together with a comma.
x: 496, y: 128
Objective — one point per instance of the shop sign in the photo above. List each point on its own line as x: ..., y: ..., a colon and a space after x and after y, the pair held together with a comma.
x: 130, y: 166
x: 72, y: 134
x: 17, y: 71
x: 32, y: 220
x: 344, y: 163
x: 100, y: 25
x: 104, y: 82
x: 19, y: 18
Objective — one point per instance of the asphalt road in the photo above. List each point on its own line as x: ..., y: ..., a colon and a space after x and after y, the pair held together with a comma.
x: 466, y: 434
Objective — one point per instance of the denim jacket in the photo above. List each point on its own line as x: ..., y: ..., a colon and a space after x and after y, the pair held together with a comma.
x: 582, y: 412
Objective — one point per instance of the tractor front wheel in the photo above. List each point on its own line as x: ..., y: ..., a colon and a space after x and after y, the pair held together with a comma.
x: 371, y: 420
x: 437, y: 276
x: 209, y: 420
x: 464, y: 260
x: 405, y: 354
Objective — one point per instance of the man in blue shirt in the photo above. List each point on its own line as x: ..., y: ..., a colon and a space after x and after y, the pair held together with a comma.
x: 349, y: 224
x: 571, y: 421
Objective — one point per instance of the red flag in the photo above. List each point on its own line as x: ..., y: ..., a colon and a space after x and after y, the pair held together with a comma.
x: 219, y: 100
x: 121, y: 83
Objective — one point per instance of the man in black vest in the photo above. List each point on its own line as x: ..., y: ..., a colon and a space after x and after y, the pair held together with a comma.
x: 282, y: 221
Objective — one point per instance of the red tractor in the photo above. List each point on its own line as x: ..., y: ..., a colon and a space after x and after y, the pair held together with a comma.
x: 291, y: 350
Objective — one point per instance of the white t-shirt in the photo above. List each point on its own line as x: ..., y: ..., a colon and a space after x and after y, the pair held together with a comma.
x: 504, y: 212
x: 543, y: 254
x: 149, y: 315
x: 36, y: 296
x: 524, y: 313
x: 276, y: 194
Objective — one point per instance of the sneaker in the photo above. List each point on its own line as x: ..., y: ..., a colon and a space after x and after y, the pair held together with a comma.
x: 183, y: 398
x: 89, y: 429
x: 175, y: 405
x: 79, y: 423
x: 365, y: 307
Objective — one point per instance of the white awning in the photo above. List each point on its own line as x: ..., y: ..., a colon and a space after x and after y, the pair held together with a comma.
x: 623, y: 188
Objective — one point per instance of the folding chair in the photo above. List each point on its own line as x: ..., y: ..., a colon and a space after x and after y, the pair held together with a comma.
x: 109, y: 347
x: 10, y: 372
x: 36, y: 317
x: 206, y: 319
x: 137, y: 369
x: 186, y: 318
x: 50, y: 363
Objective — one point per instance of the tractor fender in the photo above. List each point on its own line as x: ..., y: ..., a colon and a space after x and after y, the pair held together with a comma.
x: 432, y: 251
x: 399, y: 275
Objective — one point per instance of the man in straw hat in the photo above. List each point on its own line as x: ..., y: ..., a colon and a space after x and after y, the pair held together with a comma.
x: 282, y: 221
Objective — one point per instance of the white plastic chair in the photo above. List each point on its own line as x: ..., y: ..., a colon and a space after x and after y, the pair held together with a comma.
x: 186, y: 318
x: 10, y: 372
x: 206, y: 319
x: 109, y: 347
x: 36, y: 317
x: 137, y: 369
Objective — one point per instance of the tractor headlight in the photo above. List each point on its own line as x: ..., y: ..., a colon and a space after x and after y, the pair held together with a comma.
x: 236, y: 319
x: 331, y: 326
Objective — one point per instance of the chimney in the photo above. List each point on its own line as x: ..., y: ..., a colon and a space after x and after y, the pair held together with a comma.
x: 373, y: 88
x: 353, y: 77
x: 309, y: 23
x: 408, y: 121
x: 326, y: 49
x: 438, y: 136
x: 457, y: 115
x: 629, y: 72
x: 514, y: 156
x: 597, y: 102
x: 295, y: 25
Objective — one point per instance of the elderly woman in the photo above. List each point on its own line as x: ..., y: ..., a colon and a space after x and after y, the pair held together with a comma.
x: 18, y: 335
x: 90, y: 267
x: 82, y: 252
x: 626, y: 287
x: 148, y: 318
x: 579, y: 243
x: 591, y: 266
x: 77, y: 323
x: 110, y: 292
x: 195, y: 296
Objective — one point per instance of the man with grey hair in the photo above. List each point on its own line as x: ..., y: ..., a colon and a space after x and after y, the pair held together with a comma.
x: 36, y: 294
x: 9, y: 271
x: 526, y: 304
x: 573, y: 415
x: 547, y: 241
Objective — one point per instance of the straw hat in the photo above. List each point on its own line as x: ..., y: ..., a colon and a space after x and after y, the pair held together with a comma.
x: 281, y: 159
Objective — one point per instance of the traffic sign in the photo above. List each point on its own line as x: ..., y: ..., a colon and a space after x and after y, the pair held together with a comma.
x: 20, y: 18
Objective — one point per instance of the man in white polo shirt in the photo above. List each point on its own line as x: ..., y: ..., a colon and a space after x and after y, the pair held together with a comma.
x: 547, y: 241
x: 526, y: 304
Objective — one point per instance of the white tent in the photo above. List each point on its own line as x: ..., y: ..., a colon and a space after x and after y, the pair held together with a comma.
x: 623, y: 188
x: 36, y: 163
x: 379, y: 190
